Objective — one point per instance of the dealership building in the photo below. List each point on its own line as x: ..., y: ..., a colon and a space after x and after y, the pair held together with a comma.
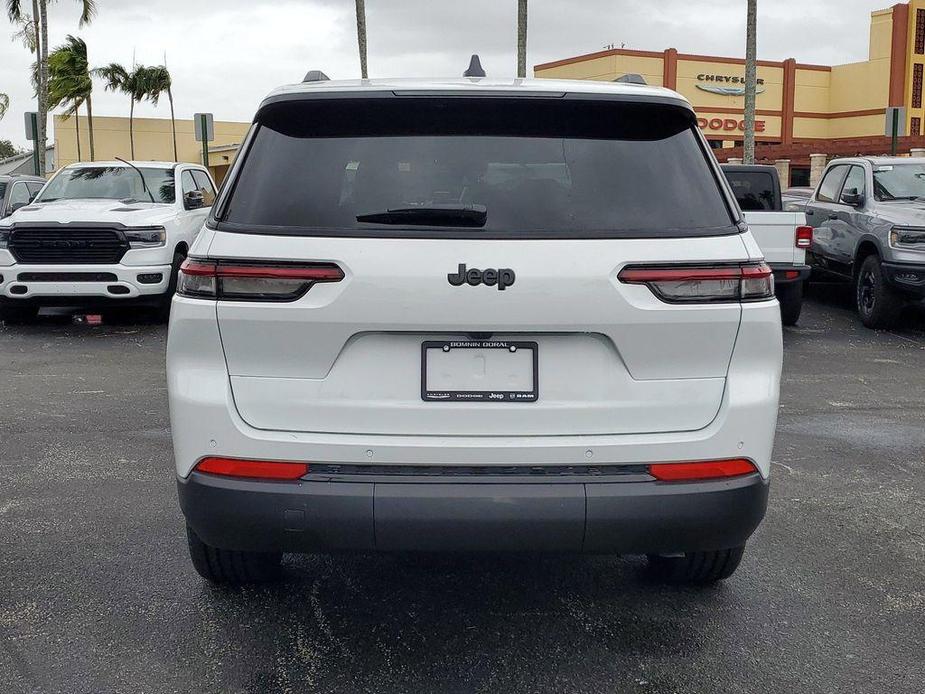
x: 806, y: 114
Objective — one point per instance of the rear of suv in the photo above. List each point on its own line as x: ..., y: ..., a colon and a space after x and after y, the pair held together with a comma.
x: 474, y: 315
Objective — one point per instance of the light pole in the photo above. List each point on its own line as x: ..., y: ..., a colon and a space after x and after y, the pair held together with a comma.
x: 751, y: 81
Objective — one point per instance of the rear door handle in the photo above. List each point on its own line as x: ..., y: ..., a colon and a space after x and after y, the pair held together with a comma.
x: 833, y: 215
x: 810, y: 212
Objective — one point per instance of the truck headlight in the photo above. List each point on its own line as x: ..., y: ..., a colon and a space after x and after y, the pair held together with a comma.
x: 907, y: 239
x: 153, y: 237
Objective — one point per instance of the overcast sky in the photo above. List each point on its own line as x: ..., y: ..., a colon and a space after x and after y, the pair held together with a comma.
x: 225, y: 55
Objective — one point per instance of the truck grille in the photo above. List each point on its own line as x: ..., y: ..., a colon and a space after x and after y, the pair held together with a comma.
x: 67, y: 245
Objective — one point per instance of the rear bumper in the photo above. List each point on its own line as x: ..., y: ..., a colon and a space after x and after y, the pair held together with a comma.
x: 380, y: 513
x: 788, y: 274
x: 906, y: 277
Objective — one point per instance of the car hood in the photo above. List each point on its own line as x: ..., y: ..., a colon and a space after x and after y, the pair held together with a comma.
x: 905, y: 212
x: 95, y: 211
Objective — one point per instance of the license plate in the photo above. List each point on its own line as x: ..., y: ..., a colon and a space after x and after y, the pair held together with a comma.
x: 479, y: 370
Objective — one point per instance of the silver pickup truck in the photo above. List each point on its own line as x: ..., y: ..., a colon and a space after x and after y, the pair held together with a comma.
x: 782, y: 235
x: 869, y: 219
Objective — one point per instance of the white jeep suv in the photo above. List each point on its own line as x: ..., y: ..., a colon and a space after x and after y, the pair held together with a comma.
x: 474, y: 315
x: 102, y: 236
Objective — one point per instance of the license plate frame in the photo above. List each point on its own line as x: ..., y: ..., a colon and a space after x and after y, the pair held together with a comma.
x: 429, y: 395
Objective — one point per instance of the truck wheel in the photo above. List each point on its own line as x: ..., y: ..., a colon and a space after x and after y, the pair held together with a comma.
x: 18, y: 315
x: 878, y: 305
x: 163, y: 311
x: 701, y: 568
x: 790, y: 297
x: 229, y: 566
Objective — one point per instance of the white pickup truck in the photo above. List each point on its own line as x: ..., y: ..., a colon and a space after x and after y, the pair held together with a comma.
x: 106, y: 236
x: 783, y: 236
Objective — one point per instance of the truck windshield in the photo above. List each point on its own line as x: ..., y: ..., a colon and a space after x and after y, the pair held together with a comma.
x: 899, y: 182
x: 481, y: 166
x: 111, y: 183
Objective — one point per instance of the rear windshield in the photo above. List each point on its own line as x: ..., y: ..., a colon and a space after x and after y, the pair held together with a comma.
x: 754, y: 190
x: 532, y: 166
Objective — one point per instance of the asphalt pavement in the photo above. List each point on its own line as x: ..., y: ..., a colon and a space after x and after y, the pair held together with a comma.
x: 97, y: 593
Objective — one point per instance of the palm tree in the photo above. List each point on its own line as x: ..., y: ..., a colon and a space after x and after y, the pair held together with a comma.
x: 69, y: 84
x: 4, y: 105
x: 158, y: 81
x: 118, y: 79
x: 751, y: 81
x: 521, y: 38
x: 361, y: 36
x: 36, y: 39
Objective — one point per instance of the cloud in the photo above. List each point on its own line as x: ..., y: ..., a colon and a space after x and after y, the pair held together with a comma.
x: 225, y: 55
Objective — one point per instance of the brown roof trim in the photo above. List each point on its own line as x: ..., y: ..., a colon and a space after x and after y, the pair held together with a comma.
x: 898, y: 54
x: 596, y: 55
x: 733, y: 111
x: 840, y: 114
x: 670, y: 69
x: 679, y: 56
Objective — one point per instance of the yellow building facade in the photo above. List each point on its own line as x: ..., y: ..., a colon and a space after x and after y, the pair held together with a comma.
x: 153, y: 141
x: 805, y: 113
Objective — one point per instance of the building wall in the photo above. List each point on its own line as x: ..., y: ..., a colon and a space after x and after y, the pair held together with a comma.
x: 796, y: 102
x: 153, y: 139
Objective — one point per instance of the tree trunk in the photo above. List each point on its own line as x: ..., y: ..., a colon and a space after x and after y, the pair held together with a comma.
x: 173, y: 125
x: 361, y: 36
x: 131, y: 125
x: 40, y: 90
x: 521, y: 38
x: 751, y: 81
x: 90, y: 128
x: 43, y: 79
x: 77, y: 132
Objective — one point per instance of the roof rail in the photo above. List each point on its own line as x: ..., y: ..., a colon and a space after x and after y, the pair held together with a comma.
x: 315, y: 76
x: 475, y: 67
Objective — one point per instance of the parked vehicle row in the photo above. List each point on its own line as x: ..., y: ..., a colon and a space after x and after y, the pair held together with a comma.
x: 106, y: 236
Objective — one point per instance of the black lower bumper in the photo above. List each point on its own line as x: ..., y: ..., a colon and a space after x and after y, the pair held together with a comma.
x: 620, y: 517
x: 907, y: 278
x: 85, y: 302
x: 786, y: 274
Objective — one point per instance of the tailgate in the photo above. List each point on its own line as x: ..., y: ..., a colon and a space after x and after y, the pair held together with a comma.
x: 775, y: 233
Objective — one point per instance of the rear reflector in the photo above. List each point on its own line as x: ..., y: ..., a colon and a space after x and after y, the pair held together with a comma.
x: 703, y: 470
x: 804, y: 237
x: 685, y: 284
x: 252, y: 469
x: 252, y: 281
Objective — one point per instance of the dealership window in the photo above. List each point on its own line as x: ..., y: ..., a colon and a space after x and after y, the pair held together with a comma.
x: 917, y: 85
x: 920, y: 32
x: 799, y: 176
x: 915, y: 126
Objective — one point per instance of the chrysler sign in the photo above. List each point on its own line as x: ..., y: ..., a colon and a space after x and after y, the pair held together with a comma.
x: 725, y: 85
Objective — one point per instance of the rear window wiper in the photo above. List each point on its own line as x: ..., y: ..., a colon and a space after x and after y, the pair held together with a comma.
x: 451, y: 215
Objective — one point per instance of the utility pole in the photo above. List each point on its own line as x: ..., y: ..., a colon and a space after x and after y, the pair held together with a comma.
x: 361, y: 36
x: 751, y: 81
x: 521, y: 38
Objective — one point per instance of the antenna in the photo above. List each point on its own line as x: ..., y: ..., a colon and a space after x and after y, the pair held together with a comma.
x: 475, y: 67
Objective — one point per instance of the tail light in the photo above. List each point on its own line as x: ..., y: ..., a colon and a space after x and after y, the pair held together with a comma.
x: 234, y: 281
x: 688, y: 284
x: 804, y: 238
x: 252, y: 469
x: 702, y: 470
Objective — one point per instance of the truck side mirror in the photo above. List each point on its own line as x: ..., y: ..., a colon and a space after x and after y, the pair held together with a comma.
x: 852, y: 197
x: 193, y: 200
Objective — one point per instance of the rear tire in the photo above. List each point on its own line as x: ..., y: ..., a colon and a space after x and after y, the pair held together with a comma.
x: 697, y: 568
x: 878, y: 305
x: 18, y: 315
x: 231, y: 567
x: 790, y: 297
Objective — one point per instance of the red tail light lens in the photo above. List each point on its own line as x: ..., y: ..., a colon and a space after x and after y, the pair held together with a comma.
x: 252, y: 281
x: 703, y: 470
x: 804, y: 237
x: 252, y: 469
x: 686, y: 284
